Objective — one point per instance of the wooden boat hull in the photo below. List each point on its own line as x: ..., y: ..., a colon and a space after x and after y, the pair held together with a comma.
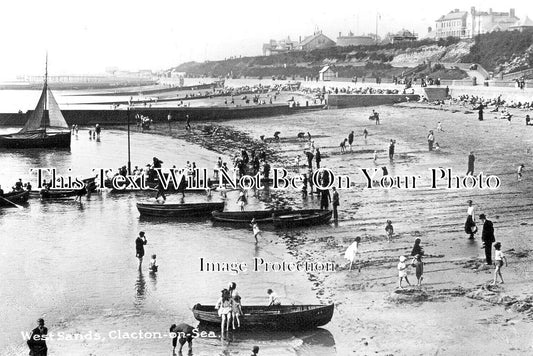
x: 179, y: 210
x: 295, y: 317
x: 49, y: 140
x: 65, y: 193
x: 303, y: 218
x: 244, y: 217
x: 15, y: 197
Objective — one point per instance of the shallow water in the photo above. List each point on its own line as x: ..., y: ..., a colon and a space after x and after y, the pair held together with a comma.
x: 74, y: 264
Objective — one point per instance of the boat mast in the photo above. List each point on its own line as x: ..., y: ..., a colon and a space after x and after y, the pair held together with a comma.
x: 46, y: 90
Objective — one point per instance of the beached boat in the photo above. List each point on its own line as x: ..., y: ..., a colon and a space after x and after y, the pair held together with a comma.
x: 65, y: 193
x: 303, y: 218
x: 290, y: 317
x: 19, y: 197
x: 179, y: 209
x: 244, y: 217
x: 45, y: 128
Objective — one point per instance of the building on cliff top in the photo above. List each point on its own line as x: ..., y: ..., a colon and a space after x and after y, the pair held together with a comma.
x: 523, y: 25
x: 351, y: 40
x: 468, y: 24
x: 316, y: 41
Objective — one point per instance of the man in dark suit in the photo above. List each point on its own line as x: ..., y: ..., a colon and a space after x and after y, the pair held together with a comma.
x: 471, y: 160
x: 487, y: 236
x: 37, y: 340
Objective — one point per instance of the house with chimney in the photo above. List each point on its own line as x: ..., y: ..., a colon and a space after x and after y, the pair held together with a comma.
x: 468, y: 24
x: 282, y: 46
x: 316, y: 41
x: 351, y: 40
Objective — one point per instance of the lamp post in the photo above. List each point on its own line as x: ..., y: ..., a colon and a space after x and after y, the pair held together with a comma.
x: 129, y: 153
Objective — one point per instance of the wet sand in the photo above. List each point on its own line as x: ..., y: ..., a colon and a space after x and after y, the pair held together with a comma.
x: 455, y: 311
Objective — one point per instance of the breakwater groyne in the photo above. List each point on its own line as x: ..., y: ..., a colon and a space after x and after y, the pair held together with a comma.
x: 161, y: 114
x: 339, y: 101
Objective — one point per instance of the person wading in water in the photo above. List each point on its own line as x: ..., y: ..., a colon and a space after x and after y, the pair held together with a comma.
x: 139, y: 247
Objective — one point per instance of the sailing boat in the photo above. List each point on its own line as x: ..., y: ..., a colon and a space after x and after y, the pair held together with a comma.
x: 45, y: 128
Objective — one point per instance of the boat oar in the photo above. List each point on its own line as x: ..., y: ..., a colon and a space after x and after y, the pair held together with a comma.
x: 10, y: 202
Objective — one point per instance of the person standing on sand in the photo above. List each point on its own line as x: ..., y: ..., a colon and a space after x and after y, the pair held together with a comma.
x: 350, y: 139
x: 365, y: 133
x: 188, y: 123
x: 480, y: 112
x: 391, y: 149
x: 431, y: 139
x: 471, y: 160
x: 325, y: 199
x: 470, y: 224
x: 352, y: 252
x: 376, y: 116
x: 318, y: 158
x: 487, y: 236
x: 335, y: 203
x: 519, y: 172
x: 417, y: 254
x: 439, y: 127
x: 498, y: 257
x: 139, y: 247
x: 402, y: 272
x: 343, y: 145
x: 389, y: 230
x: 309, y: 156
x: 37, y: 340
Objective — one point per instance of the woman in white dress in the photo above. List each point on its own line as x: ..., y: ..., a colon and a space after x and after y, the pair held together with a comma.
x: 352, y: 252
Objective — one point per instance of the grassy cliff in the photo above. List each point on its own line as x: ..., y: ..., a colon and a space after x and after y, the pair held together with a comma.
x: 497, y: 51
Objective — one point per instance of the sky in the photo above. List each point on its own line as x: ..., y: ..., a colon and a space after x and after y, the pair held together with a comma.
x: 86, y: 37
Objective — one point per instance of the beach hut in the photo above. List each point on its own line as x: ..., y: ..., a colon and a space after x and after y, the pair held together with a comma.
x: 326, y: 74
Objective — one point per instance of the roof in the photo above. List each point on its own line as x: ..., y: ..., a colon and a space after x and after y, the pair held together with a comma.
x: 453, y: 16
x: 308, y: 39
x: 525, y: 22
x: 325, y: 69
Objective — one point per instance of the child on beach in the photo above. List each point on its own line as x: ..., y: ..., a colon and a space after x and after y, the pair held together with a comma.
x: 152, y: 267
x: 375, y: 156
x: 237, y: 311
x: 351, y: 253
x: 343, y: 145
x: 402, y: 272
x: 419, y: 268
x: 519, y: 172
x: 256, y: 230
x: 389, y: 230
x: 241, y: 200
x: 498, y: 257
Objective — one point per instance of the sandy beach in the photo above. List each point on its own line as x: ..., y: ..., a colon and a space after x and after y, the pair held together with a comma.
x: 456, y: 310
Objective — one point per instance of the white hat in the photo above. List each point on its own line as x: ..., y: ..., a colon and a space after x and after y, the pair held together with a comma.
x: 402, y: 258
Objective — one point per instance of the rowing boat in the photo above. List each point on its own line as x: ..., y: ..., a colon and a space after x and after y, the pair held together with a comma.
x: 17, y: 197
x: 179, y: 209
x: 303, y: 218
x: 290, y: 317
x: 90, y: 186
x: 244, y: 217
